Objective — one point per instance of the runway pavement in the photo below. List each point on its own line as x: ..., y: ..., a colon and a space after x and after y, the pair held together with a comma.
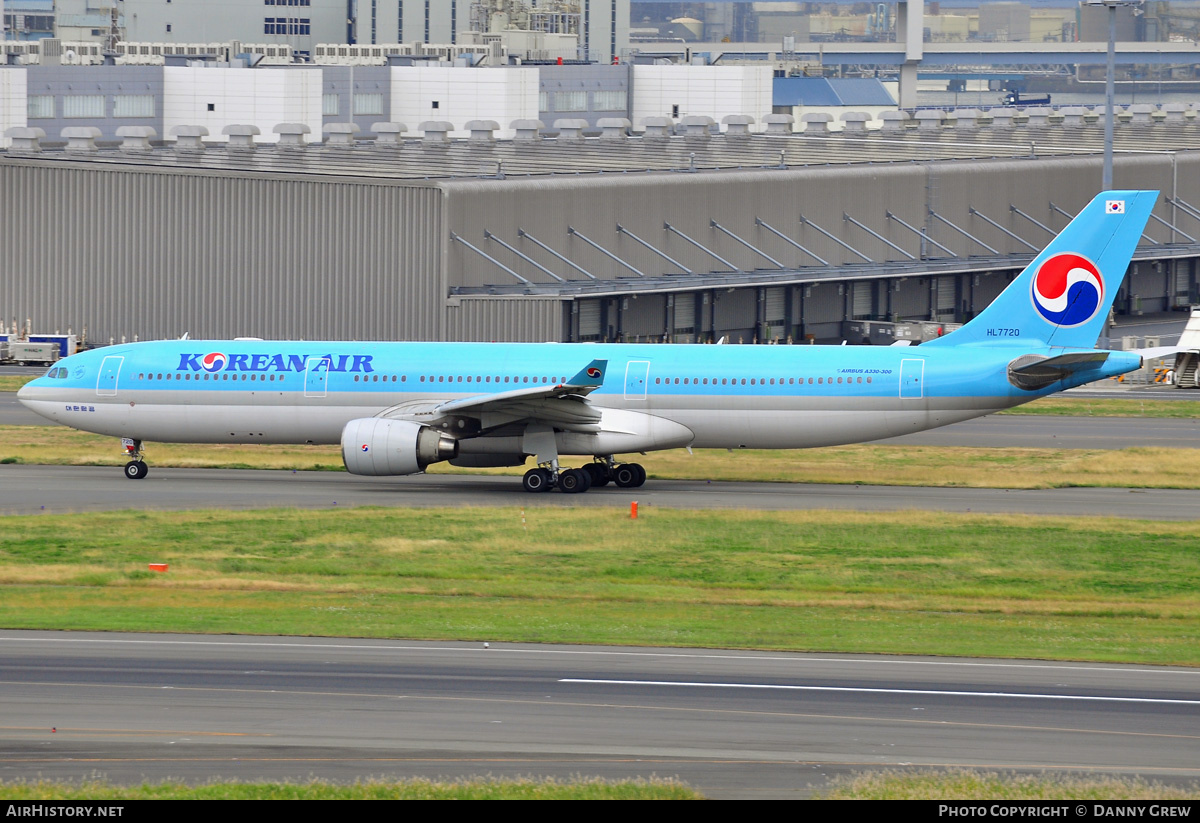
x: 733, y: 724
x: 64, y: 489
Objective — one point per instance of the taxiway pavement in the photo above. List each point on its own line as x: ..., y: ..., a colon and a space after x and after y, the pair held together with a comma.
x: 65, y: 489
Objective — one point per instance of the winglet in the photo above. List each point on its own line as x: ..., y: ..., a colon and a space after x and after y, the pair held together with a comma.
x: 590, y: 375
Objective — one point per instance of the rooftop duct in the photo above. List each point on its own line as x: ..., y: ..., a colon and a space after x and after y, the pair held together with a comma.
x: 527, y: 129
x: 657, y: 126
x: 189, y: 138
x: 241, y: 136
x: 1039, y: 116
x: 1073, y: 116
x: 292, y: 134
x: 570, y: 129
x: 136, y: 138
x: 855, y: 122
x: 483, y: 131
x: 1174, y: 112
x: 967, y: 119
x: 435, y: 131
x: 929, y: 120
x: 25, y: 138
x: 1002, y: 118
x: 389, y: 134
x: 81, y: 138
x: 893, y: 121
x: 340, y: 134
x: 779, y: 123
x: 738, y: 125
x: 816, y: 122
x: 613, y: 128
x: 1142, y: 113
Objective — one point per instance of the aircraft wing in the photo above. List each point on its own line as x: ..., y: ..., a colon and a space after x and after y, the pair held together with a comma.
x: 563, y: 405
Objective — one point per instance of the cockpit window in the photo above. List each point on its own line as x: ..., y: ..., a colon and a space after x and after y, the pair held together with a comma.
x: 58, y: 373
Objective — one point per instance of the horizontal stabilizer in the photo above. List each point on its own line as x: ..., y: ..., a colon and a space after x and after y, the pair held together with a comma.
x: 1161, y: 351
x: 1033, y: 371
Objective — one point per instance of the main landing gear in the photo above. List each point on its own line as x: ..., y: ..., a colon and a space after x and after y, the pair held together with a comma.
x: 601, y: 472
x: 135, y: 469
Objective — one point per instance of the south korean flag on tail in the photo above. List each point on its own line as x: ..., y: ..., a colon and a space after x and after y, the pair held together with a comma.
x: 1114, y: 206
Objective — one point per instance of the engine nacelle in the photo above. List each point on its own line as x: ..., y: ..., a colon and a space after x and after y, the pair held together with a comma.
x: 376, y: 446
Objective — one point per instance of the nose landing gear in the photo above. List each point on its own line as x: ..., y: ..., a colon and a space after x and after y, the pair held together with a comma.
x: 136, y: 468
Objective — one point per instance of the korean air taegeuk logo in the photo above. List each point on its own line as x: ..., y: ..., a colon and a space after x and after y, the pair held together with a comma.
x: 213, y: 361
x: 1067, y: 290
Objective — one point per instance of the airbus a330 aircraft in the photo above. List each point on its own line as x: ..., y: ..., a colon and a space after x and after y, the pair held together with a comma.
x: 398, y: 407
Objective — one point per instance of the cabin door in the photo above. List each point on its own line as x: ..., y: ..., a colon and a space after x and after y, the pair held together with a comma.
x: 912, y: 379
x: 636, y: 374
x: 316, y: 376
x: 110, y: 370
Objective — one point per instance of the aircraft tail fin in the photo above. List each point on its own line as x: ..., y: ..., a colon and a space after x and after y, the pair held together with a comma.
x: 1063, y: 297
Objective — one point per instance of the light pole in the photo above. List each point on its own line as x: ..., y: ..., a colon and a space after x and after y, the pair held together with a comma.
x: 1109, y: 116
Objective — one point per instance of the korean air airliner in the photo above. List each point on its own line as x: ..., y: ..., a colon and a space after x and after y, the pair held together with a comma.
x: 396, y: 408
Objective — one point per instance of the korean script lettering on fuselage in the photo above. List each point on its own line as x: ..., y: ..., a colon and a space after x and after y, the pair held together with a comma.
x: 218, y: 361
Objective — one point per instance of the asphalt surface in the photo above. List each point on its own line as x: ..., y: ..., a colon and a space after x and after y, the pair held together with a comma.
x: 732, y: 724
x: 65, y: 489
x: 1046, y: 432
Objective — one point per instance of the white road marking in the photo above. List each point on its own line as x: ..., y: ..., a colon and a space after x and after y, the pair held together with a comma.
x: 923, y: 692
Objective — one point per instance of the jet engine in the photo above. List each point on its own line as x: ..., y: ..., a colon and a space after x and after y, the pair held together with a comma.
x: 376, y: 446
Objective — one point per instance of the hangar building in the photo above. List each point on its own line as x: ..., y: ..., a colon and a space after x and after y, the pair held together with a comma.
x: 754, y: 237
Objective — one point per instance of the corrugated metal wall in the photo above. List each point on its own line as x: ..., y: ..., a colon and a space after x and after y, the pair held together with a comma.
x: 506, y: 320
x: 156, y: 253
x: 549, y: 208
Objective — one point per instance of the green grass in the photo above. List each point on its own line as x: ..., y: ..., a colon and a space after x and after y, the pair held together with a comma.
x: 581, y: 789
x: 903, y: 583
x: 958, y: 784
x: 12, y: 382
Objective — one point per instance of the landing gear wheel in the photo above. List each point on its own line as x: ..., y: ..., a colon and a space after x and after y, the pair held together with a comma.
x: 598, y: 472
x: 536, y: 480
x: 627, y: 476
x: 136, y: 469
x: 574, y: 481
